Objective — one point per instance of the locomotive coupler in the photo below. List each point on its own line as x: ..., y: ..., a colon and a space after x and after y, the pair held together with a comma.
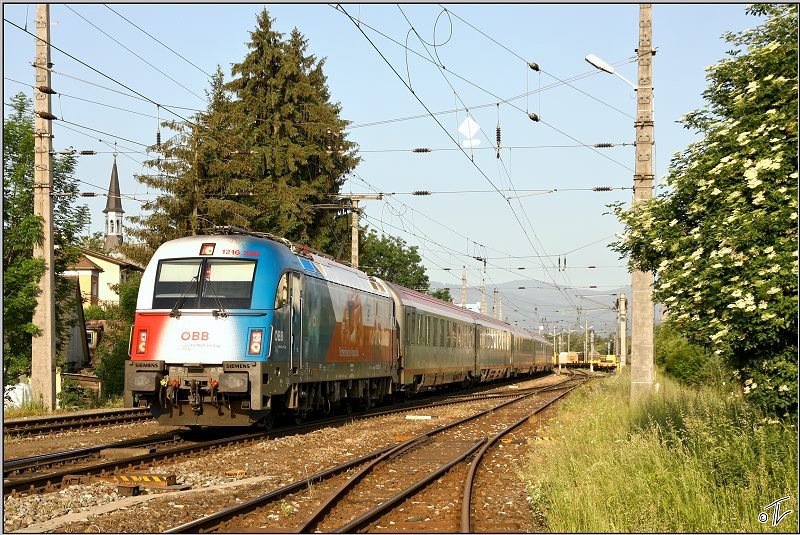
x: 195, y: 399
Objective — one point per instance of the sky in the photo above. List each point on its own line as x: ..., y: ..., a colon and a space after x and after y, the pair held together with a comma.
x: 454, y: 57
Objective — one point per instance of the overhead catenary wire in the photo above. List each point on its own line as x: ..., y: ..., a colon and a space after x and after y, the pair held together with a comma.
x: 86, y: 100
x: 121, y: 84
x: 540, y: 69
x: 441, y: 70
x: 576, y: 77
x: 155, y: 39
x: 519, y: 222
x: 438, y: 222
x: 338, y: 7
x: 420, y: 150
x: 134, y: 53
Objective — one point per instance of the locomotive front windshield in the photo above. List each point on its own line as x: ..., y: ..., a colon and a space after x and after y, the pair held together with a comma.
x: 221, y: 283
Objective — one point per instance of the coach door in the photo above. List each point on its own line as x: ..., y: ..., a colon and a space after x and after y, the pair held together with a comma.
x: 296, y: 356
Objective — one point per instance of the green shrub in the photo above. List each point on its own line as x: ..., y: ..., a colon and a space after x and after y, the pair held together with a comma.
x: 686, y: 362
x: 74, y: 396
x: 111, y: 354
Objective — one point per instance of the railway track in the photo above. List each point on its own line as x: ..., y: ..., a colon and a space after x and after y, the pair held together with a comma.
x: 27, y: 475
x: 15, y: 467
x: 383, y: 478
x: 53, y: 424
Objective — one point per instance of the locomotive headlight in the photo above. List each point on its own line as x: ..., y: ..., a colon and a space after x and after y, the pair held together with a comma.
x: 233, y: 382
x: 255, y: 343
x: 145, y: 381
x: 141, y: 341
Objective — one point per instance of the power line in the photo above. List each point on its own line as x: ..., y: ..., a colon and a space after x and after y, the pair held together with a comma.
x: 528, y: 63
x: 533, y: 231
x: 121, y: 196
x: 421, y: 150
x: 104, y: 133
x: 156, y: 40
x: 134, y: 53
x: 99, y: 72
x: 124, y: 153
x: 359, y: 24
x: 87, y: 100
x: 584, y: 74
x: 121, y: 92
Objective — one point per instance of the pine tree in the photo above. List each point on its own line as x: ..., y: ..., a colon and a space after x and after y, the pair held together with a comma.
x: 294, y: 135
x: 194, y: 173
x: 268, y: 148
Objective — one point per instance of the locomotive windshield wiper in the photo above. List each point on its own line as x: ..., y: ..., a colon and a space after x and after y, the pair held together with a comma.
x: 175, y: 312
x: 221, y: 310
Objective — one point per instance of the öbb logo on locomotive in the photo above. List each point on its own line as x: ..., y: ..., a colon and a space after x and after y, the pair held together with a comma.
x: 296, y: 332
x: 194, y: 335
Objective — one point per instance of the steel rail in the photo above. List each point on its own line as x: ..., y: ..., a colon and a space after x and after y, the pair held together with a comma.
x: 216, y: 520
x: 19, y: 464
x: 470, y: 479
x: 376, y: 511
x: 387, y: 504
x: 60, y: 423
x: 52, y: 480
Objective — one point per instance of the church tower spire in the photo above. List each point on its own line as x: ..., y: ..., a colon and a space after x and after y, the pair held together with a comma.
x: 113, y: 212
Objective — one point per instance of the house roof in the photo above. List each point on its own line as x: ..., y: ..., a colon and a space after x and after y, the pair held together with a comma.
x: 85, y: 263
x: 120, y: 262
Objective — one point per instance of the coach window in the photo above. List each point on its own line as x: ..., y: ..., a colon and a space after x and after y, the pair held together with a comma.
x: 427, y: 330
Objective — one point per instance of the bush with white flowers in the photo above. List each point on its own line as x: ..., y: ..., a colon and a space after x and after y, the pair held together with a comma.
x: 722, y: 236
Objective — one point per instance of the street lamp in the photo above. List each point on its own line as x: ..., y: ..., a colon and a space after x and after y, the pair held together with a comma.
x: 598, y: 63
x: 642, y: 361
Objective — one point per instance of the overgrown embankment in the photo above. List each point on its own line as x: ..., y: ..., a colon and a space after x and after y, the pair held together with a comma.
x: 689, y: 460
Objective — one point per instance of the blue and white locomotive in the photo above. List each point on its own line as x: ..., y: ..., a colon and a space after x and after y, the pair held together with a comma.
x: 234, y: 328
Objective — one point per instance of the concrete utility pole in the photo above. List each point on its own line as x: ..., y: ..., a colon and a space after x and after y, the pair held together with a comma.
x: 494, y: 304
x: 355, y: 213
x: 622, y: 326
x: 642, y: 362
x: 464, y: 287
x: 483, y: 298
x: 43, y: 366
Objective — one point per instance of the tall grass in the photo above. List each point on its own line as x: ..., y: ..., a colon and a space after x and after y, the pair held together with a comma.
x: 686, y: 460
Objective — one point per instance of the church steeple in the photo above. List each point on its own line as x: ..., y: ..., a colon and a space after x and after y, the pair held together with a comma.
x: 113, y: 211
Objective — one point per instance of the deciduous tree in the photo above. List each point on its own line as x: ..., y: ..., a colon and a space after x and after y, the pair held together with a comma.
x: 21, y: 229
x: 389, y: 258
